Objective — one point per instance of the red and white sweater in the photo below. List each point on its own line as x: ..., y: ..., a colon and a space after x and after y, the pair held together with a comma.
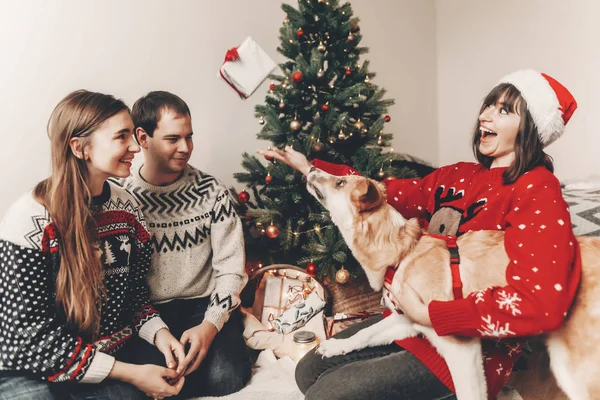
x: 544, y: 269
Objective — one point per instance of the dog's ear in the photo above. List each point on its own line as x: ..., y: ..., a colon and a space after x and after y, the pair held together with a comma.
x: 368, y: 195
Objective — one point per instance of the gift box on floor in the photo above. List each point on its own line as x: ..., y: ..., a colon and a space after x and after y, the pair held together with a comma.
x: 284, y: 287
x: 246, y: 67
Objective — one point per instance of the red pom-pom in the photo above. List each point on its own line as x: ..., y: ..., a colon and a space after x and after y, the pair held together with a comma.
x: 387, y: 118
x: 300, y: 32
x: 297, y: 77
x: 325, y: 107
x: 311, y: 269
x: 243, y: 196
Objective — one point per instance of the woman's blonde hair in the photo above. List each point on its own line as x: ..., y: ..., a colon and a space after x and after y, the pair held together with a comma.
x: 67, y: 197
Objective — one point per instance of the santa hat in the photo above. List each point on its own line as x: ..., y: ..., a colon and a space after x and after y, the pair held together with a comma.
x: 550, y: 103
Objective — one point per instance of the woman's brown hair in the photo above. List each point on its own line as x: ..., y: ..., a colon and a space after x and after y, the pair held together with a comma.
x: 67, y: 197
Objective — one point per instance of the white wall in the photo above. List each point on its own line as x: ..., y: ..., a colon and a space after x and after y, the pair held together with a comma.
x: 480, y: 41
x: 127, y: 48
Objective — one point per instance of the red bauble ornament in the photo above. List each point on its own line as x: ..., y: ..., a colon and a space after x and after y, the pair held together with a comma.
x: 272, y: 87
x: 268, y: 179
x: 297, y: 77
x: 311, y: 269
x: 248, y: 217
x: 272, y: 231
x: 387, y: 118
x: 325, y: 107
x: 300, y: 32
x: 243, y: 196
x: 348, y: 71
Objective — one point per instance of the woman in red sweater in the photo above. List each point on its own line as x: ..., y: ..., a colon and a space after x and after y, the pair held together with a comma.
x: 511, y: 188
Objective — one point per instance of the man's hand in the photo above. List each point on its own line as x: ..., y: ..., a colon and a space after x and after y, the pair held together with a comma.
x: 200, y: 338
x: 290, y: 157
x: 171, y: 349
x: 411, y: 303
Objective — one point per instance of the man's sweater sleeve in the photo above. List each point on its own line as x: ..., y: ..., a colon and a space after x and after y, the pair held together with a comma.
x: 542, y: 274
x: 228, y: 260
x: 33, y: 339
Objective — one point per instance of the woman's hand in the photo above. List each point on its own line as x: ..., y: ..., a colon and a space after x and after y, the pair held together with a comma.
x: 152, y: 380
x: 169, y: 346
x: 411, y: 303
x: 157, y: 382
x: 290, y: 157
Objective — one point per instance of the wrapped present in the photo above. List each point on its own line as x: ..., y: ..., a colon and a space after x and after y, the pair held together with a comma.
x: 246, y: 67
x: 299, y: 313
x: 280, y: 287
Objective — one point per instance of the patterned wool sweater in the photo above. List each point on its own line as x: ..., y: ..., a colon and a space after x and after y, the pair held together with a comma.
x: 34, y: 337
x: 197, y: 241
x: 544, y: 269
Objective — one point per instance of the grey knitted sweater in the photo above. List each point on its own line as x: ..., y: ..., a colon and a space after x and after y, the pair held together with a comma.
x: 197, y: 241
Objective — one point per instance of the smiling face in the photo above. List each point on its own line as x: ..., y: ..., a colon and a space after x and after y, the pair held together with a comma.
x: 111, y: 148
x: 499, y: 125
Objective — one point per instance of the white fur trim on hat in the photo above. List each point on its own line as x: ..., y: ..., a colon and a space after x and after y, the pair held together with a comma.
x: 542, y: 103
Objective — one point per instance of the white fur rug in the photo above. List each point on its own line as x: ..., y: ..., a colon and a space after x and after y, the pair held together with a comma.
x: 272, y: 379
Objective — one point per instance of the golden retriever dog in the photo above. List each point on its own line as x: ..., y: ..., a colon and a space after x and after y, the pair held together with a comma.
x: 379, y: 236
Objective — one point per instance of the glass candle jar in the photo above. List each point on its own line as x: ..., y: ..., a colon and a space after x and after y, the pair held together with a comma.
x: 304, y: 341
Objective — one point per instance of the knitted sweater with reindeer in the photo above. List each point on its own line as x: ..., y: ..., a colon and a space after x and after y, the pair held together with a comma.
x: 544, y: 269
x: 35, y: 338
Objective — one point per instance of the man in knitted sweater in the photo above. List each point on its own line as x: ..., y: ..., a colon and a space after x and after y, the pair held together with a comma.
x: 197, y: 270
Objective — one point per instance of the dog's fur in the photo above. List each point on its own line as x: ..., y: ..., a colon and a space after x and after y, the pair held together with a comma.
x: 379, y: 236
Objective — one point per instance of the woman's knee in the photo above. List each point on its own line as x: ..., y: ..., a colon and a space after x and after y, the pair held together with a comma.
x: 24, y: 388
x: 308, y: 370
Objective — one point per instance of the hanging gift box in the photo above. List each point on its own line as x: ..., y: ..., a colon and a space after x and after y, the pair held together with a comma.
x: 246, y: 67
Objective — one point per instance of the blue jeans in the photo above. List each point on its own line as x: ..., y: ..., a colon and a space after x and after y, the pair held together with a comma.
x: 226, y: 368
x: 383, y: 372
x: 17, y: 386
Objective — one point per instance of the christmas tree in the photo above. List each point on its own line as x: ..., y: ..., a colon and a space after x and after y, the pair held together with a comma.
x: 326, y: 106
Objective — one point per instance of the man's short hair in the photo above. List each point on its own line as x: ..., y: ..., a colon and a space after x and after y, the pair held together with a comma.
x: 147, y: 110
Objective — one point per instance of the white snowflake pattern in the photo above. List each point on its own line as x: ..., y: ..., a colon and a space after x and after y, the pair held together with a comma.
x: 513, y: 349
x: 493, y: 329
x: 479, y: 296
x: 509, y: 302
x: 499, y: 369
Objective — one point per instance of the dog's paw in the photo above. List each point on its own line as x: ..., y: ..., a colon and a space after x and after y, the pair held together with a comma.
x: 333, y: 347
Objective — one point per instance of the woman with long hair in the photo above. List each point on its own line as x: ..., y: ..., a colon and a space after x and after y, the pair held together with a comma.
x: 74, y: 255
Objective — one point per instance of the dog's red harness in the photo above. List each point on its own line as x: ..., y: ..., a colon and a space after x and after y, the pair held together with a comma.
x: 454, y: 264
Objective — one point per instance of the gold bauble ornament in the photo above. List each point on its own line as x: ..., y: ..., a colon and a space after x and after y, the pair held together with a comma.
x: 281, y: 105
x: 342, y: 276
x: 381, y: 173
x: 364, y: 131
x: 261, y: 121
x: 331, y: 139
x: 380, y: 140
x: 295, y: 125
x: 320, y: 74
x: 317, y: 147
x: 342, y: 135
x: 321, y: 47
x: 272, y: 231
x: 359, y: 125
x: 350, y: 37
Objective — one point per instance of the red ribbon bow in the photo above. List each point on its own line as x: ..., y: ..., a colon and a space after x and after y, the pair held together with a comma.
x: 232, y: 54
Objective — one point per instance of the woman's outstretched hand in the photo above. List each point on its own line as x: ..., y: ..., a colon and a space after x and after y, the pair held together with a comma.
x: 290, y: 157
